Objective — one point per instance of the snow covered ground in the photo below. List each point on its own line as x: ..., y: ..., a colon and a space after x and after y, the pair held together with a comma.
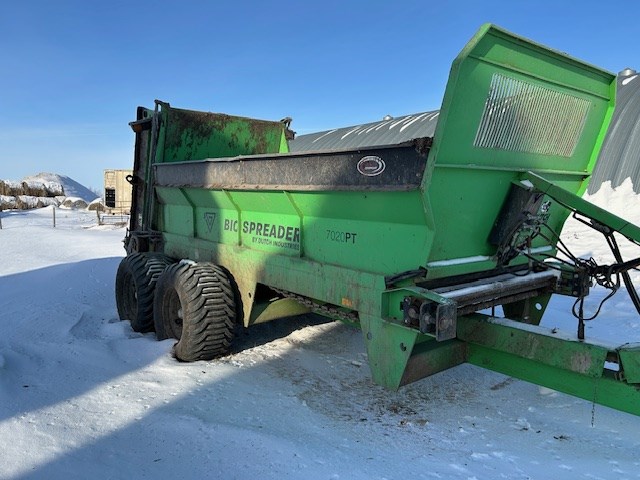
x: 83, y: 396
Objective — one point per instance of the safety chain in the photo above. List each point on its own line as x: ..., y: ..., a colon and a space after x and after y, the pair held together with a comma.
x: 327, y: 309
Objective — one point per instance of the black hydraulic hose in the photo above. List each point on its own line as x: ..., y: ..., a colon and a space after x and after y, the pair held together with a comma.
x: 626, y: 278
x: 626, y: 266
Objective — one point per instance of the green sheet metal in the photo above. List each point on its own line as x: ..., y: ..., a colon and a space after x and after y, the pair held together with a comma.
x: 193, y: 135
x: 510, y: 106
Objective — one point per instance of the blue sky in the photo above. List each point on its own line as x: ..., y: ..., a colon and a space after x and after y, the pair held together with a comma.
x: 73, y: 72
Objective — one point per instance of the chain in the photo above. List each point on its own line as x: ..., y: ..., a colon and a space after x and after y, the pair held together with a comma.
x: 327, y: 309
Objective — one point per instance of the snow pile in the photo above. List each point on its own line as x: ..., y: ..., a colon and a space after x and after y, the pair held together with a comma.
x: 70, y: 186
x: 83, y: 396
x: 621, y: 201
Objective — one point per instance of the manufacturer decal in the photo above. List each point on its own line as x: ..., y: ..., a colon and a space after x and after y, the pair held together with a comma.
x: 210, y: 218
x: 371, y: 166
x: 341, y: 237
x: 270, y: 234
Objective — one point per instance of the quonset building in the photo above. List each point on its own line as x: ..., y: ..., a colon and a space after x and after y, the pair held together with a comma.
x: 619, y: 158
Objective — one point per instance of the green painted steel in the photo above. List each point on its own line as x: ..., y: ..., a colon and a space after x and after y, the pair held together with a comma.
x: 513, y: 111
x: 471, y: 164
x: 542, y: 346
x: 192, y: 135
x: 543, y: 357
x: 630, y: 359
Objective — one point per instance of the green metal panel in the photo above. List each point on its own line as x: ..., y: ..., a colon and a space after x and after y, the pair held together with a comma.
x: 495, y: 52
x: 268, y: 222
x: 315, y: 225
x: 500, y: 116
x: 175, y: 213
x: 389, y: 348
x: 630, y: 360
x: 534, y: 343
x: 381, y: 232
x: 191, y: 135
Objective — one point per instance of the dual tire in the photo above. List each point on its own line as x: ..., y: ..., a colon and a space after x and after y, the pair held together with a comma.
x: 135, y: 285
x: 195, y: 303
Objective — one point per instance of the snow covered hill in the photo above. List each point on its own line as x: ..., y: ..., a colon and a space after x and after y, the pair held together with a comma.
x: 71, y: 187
x: 83, y: 396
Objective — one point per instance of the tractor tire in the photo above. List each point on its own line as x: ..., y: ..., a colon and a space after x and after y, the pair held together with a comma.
x: 196, y: 304
x: 135, y: 285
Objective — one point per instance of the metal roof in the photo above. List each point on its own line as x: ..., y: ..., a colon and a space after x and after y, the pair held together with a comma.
x: 619, y: 157
x: 386, y: 132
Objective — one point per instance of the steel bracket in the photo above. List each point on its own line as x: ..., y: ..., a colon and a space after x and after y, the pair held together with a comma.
x: 422, y: 309
x: 573, y: 283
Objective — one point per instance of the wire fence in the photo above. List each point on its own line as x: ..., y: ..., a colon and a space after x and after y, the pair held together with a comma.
x: 112, y: 219
x: 52, y: 217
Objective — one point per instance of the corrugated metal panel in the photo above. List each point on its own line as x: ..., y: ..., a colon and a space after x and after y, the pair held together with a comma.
x: 386, y: 132
x: 619, y: 158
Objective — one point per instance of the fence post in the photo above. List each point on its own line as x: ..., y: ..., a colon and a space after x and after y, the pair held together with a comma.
x: 54, y: 216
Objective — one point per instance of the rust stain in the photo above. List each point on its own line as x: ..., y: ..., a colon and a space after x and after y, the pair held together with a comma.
x: 189, y: 132
x: 347, y: 302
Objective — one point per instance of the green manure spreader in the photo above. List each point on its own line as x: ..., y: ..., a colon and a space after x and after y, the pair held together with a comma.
x: 408, y: 228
